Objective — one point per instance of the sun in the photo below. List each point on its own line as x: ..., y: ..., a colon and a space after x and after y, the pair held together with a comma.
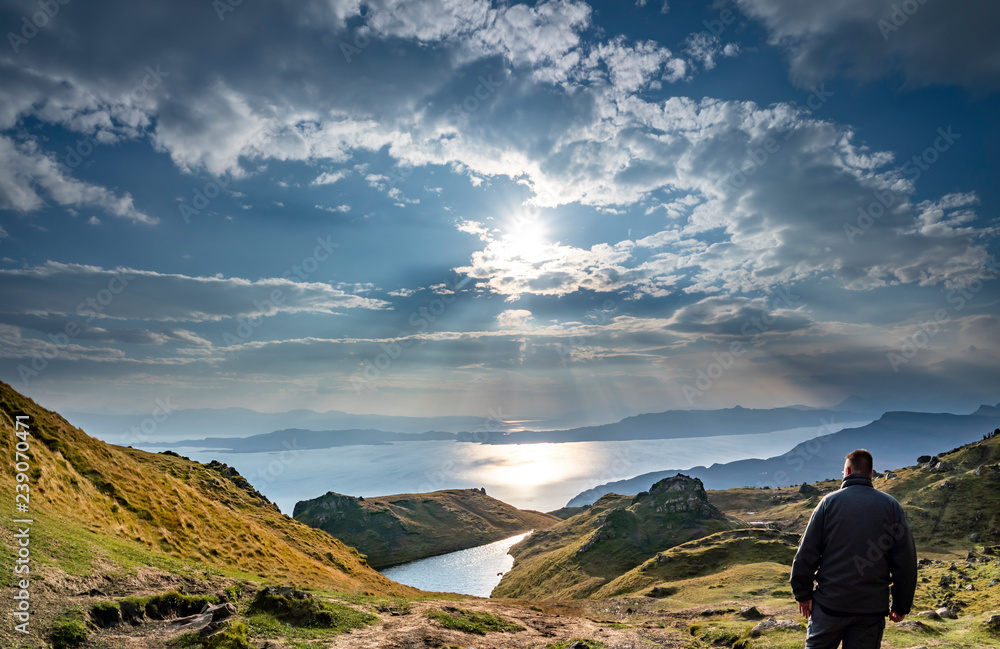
x: 526, y: 239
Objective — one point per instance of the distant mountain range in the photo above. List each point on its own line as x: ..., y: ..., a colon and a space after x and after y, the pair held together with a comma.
x: 671, y: 424
x: 895, y: 440
x: 200, y: 423
x: 674, y: 424
x: 297, y: 438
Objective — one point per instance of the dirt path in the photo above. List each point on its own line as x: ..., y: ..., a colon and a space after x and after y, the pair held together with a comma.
x: 416, y: 631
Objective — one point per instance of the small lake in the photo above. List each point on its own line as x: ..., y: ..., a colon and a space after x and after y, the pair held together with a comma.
x: 468, y: 572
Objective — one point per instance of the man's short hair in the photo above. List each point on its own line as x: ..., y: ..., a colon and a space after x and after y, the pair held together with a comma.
x: 860, y: 461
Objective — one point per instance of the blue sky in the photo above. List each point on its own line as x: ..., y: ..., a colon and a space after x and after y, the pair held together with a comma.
x: 541, y: 209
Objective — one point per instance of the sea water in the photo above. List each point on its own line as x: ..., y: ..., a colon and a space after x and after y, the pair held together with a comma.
x: 475, y: 571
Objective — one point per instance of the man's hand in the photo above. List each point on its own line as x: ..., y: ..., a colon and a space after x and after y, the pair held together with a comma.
x: 806, y: 608
x: 893, y: 615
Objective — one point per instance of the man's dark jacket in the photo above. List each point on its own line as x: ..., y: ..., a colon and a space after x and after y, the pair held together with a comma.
x: 857, y: 543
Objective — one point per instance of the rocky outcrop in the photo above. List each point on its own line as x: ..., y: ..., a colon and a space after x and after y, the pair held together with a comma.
x: 669, y: 498
x: 771, y: 623
x: 234, y: 476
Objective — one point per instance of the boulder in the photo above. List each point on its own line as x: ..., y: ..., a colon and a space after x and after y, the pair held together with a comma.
x: 911, y: 625
x: 947, y: 613
x: 930, y: 615
x: 771, y: 623
x: 993, y: 622
x: 192, y: 622
x: 662, y: 591
x: 286, y: 591
x: 923, y: 459
x: 751, y: 613
x: 807, y: 489
x: 219, y: 611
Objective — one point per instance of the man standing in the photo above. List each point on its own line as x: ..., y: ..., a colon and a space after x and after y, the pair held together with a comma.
x: 856, y: 545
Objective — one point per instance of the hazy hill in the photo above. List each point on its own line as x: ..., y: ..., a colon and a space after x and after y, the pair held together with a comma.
x: 577, y: 556
x: 198, y: 423
x: 392, y: 530
x: 297, y: 438
x: 663, y: 425
x: 686, y: 423
x: 104, y: 508
x: 895, y: 439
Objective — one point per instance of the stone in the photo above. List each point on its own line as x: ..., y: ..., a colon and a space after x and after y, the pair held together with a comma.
x: 807, y: 489
x: 219, y: 611
x: 662, y: 591
x: 930, y: 615
x: 771, y: 623
x: 993, y: 622
x: 751, y: 613
x: 947, y: 613
x: 923, y: 459
x: 993, y: 582
x: 911, y: 625
x: 192, y: 622
x: 975, y: 537
x: 286, y: 591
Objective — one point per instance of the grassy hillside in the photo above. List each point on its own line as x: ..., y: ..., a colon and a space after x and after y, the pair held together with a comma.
x: 947, y: 500
x: 113, y: 510
x: 576, y: 557
x: 392, y: 530
x: 704, y: 556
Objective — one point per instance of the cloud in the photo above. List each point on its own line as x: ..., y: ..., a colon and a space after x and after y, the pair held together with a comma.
x: 633, y: 67
x: 741, y: 317
x: 596, y: 138
x: 706, y: 49
x: 330, y: 177
x: 764, y: 196
x: 924, y: 42
x: 93, y: 293
x: 25, y: 170
x: 340, y: 209
x: 514, y: 318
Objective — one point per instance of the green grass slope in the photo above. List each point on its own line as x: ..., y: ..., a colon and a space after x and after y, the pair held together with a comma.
x: 392, y: 530
x: 952, y: 502
x: 579, y: 555
x: 100, y: 508
x: 705, y: 556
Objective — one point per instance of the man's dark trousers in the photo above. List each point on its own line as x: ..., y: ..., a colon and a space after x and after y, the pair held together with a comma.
x: 856, y: 631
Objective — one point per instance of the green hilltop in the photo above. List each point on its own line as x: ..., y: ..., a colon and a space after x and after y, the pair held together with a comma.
x: 577, y: 556
x: 391, y: 530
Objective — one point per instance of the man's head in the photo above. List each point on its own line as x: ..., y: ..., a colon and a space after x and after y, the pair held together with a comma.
x: 859, y: 461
